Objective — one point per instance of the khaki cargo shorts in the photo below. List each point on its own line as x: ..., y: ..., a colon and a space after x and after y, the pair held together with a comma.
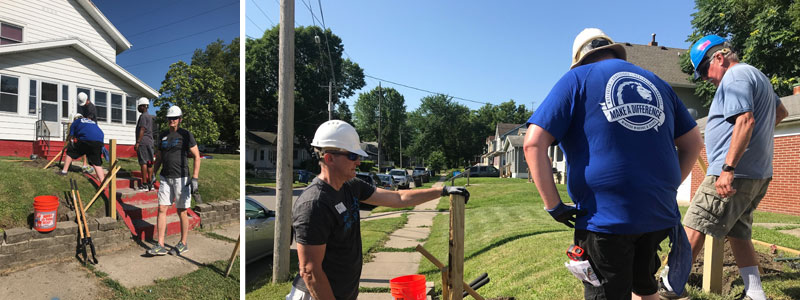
x: 733, y: 216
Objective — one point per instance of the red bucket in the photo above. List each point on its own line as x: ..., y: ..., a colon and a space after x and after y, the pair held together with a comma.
x: 45, y: 213
x: 409, y: 287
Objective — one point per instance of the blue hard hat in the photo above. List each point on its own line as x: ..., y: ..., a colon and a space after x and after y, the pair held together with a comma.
x: 701, y: 47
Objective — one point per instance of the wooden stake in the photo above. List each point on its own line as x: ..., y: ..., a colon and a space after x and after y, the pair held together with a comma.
x: 455, y: 267
x: 112, y: 190
x: 441, y: 266
x: 233, y: 255
x: 712, y: 265
x: 57, y: 155
x: 103, y: 186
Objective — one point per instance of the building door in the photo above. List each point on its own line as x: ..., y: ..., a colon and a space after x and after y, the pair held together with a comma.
x: 48, y: 108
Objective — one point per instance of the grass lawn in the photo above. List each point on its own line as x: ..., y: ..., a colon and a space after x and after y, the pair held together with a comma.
x: 510, y: 236
x: 374, y: 234
x: 381, y: 209
x: 208, y: 282
x: 21, y: 180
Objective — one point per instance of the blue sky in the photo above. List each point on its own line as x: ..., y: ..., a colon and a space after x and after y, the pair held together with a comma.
x: 163, y: 32
x: 487, y: 51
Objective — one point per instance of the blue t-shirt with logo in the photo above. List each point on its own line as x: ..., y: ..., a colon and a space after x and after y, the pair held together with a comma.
x: 616, y: 124
x: 742, y: 89
x: 86, y: 130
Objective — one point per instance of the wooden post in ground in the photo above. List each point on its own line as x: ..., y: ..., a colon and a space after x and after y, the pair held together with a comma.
x: 112, y: 190
x: 284, y: 180
x: 455, y: 266
x: 712, y: 256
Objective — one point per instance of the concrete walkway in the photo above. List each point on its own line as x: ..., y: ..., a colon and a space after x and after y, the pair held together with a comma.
x: 128, y: 266
x: 388, y: 265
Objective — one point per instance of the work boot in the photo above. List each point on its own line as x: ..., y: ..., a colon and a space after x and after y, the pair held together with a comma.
x: 180, y: 248
x: 157, y: 250
x: 665, y: 294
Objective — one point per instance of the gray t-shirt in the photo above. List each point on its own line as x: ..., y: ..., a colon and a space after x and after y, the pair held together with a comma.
x: 742, y: 89
x: 146, y: 122
x: 174, y: 147
x: 322, y: 215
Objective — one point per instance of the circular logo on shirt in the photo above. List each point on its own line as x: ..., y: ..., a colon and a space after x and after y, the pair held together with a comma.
x: 633, y: 102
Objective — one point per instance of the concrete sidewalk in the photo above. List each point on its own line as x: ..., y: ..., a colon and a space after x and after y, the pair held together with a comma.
x: 388, y: 265
x: 128, y: 266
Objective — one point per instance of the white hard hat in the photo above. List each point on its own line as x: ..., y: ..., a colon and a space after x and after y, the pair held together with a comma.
x: 77, y: 116
x: 174, y: 111
x: 338, y: 134
x: 82, y: 97
x: 579, y: 50
x: 143, y: 101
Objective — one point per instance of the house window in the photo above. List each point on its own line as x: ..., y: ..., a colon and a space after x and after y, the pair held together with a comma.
x: 273, y: 156
x: 130, y: 110
x: 65, y: 101
x: 10, y: 34
x: 34, y: 88
x: 101, y: 103
x: 49, y: 103
x: 88, y: 93
x: 559, y: 155
x: 116, y: 108
x: 9, y: 93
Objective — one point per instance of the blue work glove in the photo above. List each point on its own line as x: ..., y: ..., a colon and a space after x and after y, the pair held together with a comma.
x: 456, y: 190
x: 565, y: 214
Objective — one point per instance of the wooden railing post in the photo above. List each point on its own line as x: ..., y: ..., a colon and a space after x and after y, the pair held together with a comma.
x: 712, y: 256
x: 112, y: 191
x: 455, y: 266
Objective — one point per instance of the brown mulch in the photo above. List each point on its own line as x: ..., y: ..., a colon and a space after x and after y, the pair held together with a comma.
x: 730, y: 272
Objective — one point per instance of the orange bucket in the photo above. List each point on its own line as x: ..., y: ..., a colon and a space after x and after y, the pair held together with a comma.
x: 45, y: 213
x: 409, y: 287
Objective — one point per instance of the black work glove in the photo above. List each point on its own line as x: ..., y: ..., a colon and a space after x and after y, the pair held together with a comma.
x: 565, y: 214
x: 193, y: 188
x: 456, y: 190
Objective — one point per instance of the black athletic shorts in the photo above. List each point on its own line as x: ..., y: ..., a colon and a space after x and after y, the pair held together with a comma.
x: 92, y: 149
x: 624, y: 263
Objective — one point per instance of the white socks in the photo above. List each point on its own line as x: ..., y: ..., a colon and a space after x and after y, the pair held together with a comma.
x: 752, y: 283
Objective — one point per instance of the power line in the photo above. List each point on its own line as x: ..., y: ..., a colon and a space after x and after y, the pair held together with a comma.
x: 184, y: 19
x: 262, y: 12
x: 254, y: 23
x: 184, y: 37
x: 147, y: 10
x: 158, y: 59
x: 424, y: 90
x: 330, y: 58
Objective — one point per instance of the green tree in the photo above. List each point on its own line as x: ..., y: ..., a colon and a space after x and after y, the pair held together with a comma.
x: 312, y: 73
x: 441, y: 124
x: 393, y: 117
x: 223, y: 60
x: 199, y: 93
x: 765, y: 33
x: 436, y: 161
x: 343, y: 113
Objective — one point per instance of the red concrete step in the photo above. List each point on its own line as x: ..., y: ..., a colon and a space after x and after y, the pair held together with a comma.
x: 128, y: 182
x: 146, y: 228
x: 134, y: 197
x: 145, y: 210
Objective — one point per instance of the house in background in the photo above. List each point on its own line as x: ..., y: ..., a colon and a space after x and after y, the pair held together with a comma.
x: 494, y: 155
x: 665, y: 63
x: 262, y: 151
x: 783, y: 190
x: 49, y: 52
x: 515, y: 166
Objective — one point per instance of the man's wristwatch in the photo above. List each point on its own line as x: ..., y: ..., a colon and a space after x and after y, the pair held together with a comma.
x: 727, y: 168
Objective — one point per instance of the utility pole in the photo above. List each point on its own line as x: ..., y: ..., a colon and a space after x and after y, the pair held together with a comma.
x: 284, y: 180
x: 380, y: 97
x: 401, y: 147
x: 330, y: 100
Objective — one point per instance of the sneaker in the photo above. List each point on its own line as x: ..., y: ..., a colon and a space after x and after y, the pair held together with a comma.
x: 665, y: 294
x: 87, y: 169
x: 748, y: 298
x: 180, y: 248
x: 61, y: 173
x: 157, y: 250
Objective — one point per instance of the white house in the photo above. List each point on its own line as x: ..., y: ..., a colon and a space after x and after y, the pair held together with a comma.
x: 51, y: 50
x: 262, y: 151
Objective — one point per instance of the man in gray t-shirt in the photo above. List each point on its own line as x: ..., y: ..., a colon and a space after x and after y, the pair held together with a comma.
x: 739, y: 145
x: 144, y: 143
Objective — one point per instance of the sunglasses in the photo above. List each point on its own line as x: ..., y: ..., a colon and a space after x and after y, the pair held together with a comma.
x: 702, y: 69
x: 173, y: 118
x: 597, y: 43
x: 350, y: 155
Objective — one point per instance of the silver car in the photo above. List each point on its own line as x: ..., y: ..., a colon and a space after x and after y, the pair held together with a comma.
x: 259, y: 230
x: 401, y: 178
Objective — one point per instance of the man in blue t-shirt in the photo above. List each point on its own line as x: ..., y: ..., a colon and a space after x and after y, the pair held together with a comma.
x: 739, y: 144
x: 85, y: 138
x: 619, y: 126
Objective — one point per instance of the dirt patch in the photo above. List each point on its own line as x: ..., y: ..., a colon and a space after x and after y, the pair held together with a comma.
x: 730, y: 272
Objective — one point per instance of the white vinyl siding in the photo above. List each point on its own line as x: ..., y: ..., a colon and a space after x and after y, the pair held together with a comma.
x: 45, y: 20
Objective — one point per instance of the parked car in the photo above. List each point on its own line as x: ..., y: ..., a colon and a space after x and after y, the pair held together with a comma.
x: 483, y: 171
x: 259, y: 230
x: 420, y: 171
x: 387, y: 182
x: 370, y: 178
x: 401, y: 178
